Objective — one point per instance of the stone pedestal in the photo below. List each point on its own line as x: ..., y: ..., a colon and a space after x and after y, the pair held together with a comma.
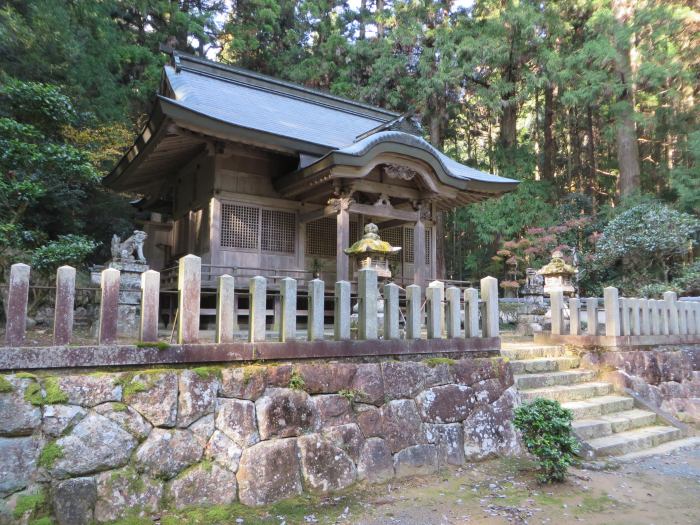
x: 129, y: 296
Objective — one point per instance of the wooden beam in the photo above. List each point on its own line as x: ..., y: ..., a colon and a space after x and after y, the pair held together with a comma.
x: 342, y: 242
x: 314, y: 215
x: 383, y: 211
x: 391, y: 190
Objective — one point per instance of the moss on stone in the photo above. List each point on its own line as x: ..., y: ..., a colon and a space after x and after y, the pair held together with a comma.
x: 206, y: 372
x: 25, y: 375
x: 132, y: 478
x: 49, y: 454
x: 119, y: 407
x: 160, y: 345
x: 45, y: 520
x: 250, y: 371
x: 432, y: 362
x: 48, y: 393
x: 28, y: 503
x: 351, y: 395
x: 296, y: 382
x: 5, y: 385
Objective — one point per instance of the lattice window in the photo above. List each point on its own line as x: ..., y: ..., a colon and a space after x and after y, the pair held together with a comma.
x: 427, y: 245
x: 408, y: 246
x: 239, y: 226
x: 354, y: 232
x: 321, y: 237
x: 393, y: 236
x: 278, y: 231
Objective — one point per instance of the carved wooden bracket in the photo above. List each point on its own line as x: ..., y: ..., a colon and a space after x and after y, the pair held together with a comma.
x: 394, y: 171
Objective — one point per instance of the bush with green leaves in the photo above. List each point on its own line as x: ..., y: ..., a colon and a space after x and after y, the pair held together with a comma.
x: 546, y: 430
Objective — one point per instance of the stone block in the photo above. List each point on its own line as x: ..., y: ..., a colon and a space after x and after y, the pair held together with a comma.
x: 375, y: 464
x: 269, y: 471
x: 283, y: 412
x: 434, y: 296
x: 470, y: 371
x: 328, y: 378
x: 73, y: 501
x: 346, y: 437
x: 401, y: 424
x: 127, y: 418
x: 369, y: 419
x: 167, y: 452
x: 489, y: 431
x: 612, y: 311
x: 453, y: 315
x: 278, y: 375
x: 96, y: 443
x: 17, y: 416
x: 150, y: 297
x: 446, y: 404
x: 90, y: 390
x: 197, y: 396
x: 403, y: 379
x: 489, y: 294
x: 203, y: 428
x: 156, y: 397
x: 58, y: 418
x: 109, y: 306
x: 246, y: 382
x: 368, y: 383
x: 331, y: 410
x: 324, y: 467
x: 236, y: 419
x: 449, y: 440
x: 125, y: 491
x: 418, y: 460
x: 471, y: 312
x: 203, y: 485
x: 224, y: 451
x: 18, y: 462
x: 391, y: 311
x: 368, y: 293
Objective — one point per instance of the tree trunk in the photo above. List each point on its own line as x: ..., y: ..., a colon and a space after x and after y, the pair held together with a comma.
x: 575, y: 141
x: 509, y: 118
x: 625, y: 130
x: 550, y: 148
x: 363, y: 10
x: 590, y: 150
x: 380, y: 23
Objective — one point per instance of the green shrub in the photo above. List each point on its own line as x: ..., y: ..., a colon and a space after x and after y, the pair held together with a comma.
x: 546, y: 430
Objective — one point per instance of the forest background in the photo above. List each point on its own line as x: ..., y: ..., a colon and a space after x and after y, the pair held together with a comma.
x: 591, y: 104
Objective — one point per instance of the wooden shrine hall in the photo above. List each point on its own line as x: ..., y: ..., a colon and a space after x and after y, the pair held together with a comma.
x: 266, y: 177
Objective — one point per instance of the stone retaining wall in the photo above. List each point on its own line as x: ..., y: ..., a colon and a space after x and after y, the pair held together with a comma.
x: 667, y: 378
x: 102, y: 445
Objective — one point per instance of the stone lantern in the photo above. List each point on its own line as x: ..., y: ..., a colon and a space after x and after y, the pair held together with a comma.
x: 558, y: 275
x: 372, y: 252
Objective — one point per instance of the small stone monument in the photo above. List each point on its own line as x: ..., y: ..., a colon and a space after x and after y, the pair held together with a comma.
x: 128, y: 258
x: 533, y: 289
x: 558, y: 275
x: 372, y: 252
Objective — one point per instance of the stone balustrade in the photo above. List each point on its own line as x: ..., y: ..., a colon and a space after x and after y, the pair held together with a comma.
x: 641, y: 321
x: 446, y: 313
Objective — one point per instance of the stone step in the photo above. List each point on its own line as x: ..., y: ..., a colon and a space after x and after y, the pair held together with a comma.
x: 567, y: 377
x: 633, y: 440
x: 598, y: 406
x: 565, y: 393
x: 613, y: 423
x: 524, y: 351
x: 543, y: 364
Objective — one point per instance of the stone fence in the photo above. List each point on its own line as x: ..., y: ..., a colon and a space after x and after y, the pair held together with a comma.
x: 445, y: 314
x: 626, y: 321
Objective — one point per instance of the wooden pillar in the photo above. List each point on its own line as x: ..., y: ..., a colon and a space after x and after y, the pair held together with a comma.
x: 419, y: 252
x: 342, y: 242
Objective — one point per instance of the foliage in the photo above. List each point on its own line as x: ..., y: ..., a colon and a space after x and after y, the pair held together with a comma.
x: 47, y: 393
x: 49, y: 454
x: 546, y: 431
x: 5, y: 385
x: 28, y: 503
x: 296, y: 381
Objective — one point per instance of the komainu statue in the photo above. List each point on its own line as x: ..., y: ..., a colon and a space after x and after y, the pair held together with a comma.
x: 124, y: 251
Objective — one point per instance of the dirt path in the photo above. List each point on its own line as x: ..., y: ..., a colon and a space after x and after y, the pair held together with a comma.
x: 657, y: 490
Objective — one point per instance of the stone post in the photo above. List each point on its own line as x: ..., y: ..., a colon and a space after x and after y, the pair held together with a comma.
x: 592, y: 315
x: 65, y: 305
x: 682, y: 318
x: 696, y: 316
x: 189, y: 285
x: 413, y: 312
x: 225, y: 309
x: 342, y: 311
x: 489, y: 294
x: 635, y: 320
x: 645, y: 305
x: 690, y: 315
x: 434, y: 308
x: 257, y: 309
x: 671, y: 306
x: 391, y: 311
x: 109, y: 306
x: 625, y: 316
x: 556, y: 305
x: 288, y: 309
x: 471, y: 312
x: 367, y: 304
x: 655, y: 316
x: 441, y: 285
x: 665, y: 322
x: 453, y: 316
x: 574, y: 316
x: 315, y: 321
x: 611, y: 301
x: 17, y: 298
x: 150, y: 296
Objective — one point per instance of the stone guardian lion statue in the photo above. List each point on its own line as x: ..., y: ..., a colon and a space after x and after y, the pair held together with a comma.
x: 124, y: 251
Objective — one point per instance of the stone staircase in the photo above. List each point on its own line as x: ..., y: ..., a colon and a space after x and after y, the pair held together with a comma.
x: 608, y: 423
